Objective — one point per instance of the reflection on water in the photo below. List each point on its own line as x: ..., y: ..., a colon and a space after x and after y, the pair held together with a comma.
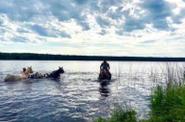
x: 77, y: 96
x: 104, y: 90
x: 104, y: 87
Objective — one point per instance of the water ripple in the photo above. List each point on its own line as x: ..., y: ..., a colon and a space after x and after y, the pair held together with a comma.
x: 77, y: 96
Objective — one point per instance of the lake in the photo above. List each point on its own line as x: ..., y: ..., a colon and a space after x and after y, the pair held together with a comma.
x: 77, y: 96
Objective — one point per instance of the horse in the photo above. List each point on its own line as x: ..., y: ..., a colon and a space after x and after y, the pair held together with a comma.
x: 17, y: 77
x: 54, y: 75
x: 104, y: 75
x: 29, y: 70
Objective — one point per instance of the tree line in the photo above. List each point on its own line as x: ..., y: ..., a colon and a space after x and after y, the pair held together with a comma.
x: 33, y: 56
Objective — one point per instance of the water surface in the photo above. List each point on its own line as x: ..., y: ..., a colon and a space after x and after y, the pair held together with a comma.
x: 77, y: 96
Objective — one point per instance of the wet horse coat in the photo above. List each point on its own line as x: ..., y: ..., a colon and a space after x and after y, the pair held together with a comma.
x: 104, y: 75
x: 55, y: 74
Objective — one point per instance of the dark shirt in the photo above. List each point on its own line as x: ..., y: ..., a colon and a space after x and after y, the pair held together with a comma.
x: 105, y: 65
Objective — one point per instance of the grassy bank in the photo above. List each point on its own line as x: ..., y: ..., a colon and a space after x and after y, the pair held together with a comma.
x: 120, y: 115
x: 167, y: 104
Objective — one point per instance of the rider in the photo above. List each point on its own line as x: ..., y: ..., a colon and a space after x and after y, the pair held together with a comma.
x: 24, y: 74
x: 105, y: 66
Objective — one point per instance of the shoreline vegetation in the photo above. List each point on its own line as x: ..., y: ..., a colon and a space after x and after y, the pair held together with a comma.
x: 167, y: 105
x: 167, y: 102
x: 34, y: 56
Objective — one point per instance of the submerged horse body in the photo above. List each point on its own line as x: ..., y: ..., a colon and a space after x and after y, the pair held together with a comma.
x: 104, y: 75
x: 104, y: 78
x: 12, y: 78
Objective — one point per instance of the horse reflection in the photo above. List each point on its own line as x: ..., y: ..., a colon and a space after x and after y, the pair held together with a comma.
x: 104, y: 89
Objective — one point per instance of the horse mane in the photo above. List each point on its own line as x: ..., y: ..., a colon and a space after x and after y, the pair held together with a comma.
x: 55, y: 73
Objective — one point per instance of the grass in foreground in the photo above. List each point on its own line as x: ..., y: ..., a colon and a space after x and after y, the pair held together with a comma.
x: 167, y: 105
x: 120, y: 115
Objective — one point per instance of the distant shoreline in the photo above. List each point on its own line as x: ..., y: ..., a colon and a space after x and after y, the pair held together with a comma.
x: 51, y: 57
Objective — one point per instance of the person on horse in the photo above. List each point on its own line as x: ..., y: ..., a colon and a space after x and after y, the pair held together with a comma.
x: 105, y: 66
x: 104, y: 70
x: 24, y: 74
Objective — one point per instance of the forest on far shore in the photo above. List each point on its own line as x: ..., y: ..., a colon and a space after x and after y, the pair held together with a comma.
x: 34, y: 56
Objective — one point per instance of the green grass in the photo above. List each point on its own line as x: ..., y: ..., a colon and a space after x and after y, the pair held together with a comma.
x: 167, y: 105
x: 120, y: 115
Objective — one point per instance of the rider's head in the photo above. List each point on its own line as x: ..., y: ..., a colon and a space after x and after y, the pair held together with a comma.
x: 24, y: 69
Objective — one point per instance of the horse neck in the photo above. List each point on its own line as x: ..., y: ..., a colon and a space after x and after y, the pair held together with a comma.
x: 58, y: 73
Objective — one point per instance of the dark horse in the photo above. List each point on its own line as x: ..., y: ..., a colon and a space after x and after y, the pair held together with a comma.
x: 104, y: 77
x: 54, y: 75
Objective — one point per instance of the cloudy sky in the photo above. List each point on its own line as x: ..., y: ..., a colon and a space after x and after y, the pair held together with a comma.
x: 93, y: 27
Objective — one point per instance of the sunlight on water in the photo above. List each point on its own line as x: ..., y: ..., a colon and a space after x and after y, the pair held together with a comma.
x: 77, y: 96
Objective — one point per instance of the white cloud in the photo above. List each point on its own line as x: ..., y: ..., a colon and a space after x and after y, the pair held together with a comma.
x: 178, y: 5
x: 111, y: 27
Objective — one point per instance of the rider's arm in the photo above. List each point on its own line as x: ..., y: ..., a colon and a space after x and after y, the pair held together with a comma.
x: 108, y: 66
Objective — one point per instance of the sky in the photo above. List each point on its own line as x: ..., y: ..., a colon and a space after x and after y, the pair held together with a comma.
x: 94, y: 27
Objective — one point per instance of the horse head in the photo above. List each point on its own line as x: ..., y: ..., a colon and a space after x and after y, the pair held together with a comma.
x: 60, y: 70
x: 29, y: 70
